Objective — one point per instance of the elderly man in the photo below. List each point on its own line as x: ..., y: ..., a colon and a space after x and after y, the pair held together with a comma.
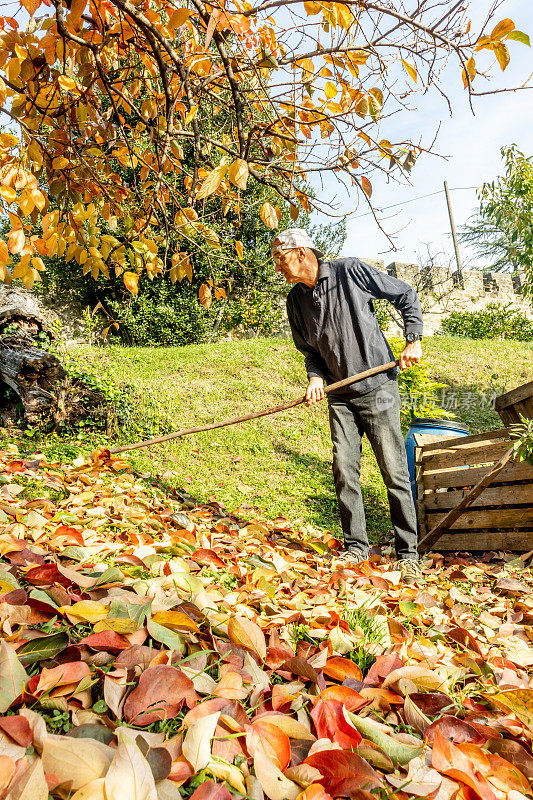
x: 334, y: 325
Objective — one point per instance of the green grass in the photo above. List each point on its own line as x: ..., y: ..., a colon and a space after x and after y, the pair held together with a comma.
x: 279, y: 465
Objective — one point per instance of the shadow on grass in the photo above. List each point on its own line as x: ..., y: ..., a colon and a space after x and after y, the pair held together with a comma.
x: 321, y: 499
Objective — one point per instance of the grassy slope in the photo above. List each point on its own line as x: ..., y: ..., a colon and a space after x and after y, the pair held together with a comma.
x: 281, y: 464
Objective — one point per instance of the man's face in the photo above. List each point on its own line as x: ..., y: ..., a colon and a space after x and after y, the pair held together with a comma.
x: 289, y: 263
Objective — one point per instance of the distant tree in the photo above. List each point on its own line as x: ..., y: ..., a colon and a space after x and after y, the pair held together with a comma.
x: 502, y: 230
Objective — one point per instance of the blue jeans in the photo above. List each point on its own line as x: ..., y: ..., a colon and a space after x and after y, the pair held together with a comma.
x: 378, y: 415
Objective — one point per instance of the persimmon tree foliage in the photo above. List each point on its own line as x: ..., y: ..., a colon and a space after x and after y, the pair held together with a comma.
x: 272, y: 92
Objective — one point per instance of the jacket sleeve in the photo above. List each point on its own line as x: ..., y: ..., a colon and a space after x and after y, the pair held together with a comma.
x: 313, y: 360
x: 381, y: 286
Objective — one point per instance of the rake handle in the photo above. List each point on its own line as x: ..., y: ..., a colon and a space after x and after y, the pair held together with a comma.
x: 256, y: 414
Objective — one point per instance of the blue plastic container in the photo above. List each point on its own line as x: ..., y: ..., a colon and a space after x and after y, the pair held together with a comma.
x: 447, y: 427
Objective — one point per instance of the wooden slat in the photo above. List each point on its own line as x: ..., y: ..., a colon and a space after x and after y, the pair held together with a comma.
x: 494, y: 496
x: 474, y: 541
x: 449, y: 479
x: 514, y: 396
x: 420, y: 508
x: 497, y: 433
x: 509, y: 416
x: 454, y: 457
x: 497, y: 518
x: 422, y: 439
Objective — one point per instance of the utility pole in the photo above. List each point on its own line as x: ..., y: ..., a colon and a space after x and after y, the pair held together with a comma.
x: 454, y: 235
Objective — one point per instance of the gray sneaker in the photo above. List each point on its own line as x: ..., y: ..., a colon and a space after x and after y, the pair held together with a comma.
x: 350, y: 557
x: 411, y: 570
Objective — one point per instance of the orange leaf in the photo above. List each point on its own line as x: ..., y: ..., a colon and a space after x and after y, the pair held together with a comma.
x: 131, y: 281
x: 204, y: 293
x: 367, y: 186
x: 411, y: 70
x: 502, y: 29
x: 271, y: 740
x: 240, y: 250
x: 246, y: 633
x: 269, y: 215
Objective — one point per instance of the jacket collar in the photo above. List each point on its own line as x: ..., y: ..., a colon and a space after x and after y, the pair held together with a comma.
x: 323, y: 272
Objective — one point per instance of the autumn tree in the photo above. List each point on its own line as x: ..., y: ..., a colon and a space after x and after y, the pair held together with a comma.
x: 274, y: 93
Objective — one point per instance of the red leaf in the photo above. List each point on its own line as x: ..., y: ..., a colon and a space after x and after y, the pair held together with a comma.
x: 344, y: 772
x: 161, y: 693
x: 351, y: 699
x: 209, y: 790
x: 18, y: 728
x: 382, y: 667
x: 203, y: 554
x: 455, y: 730
x: 330, y: 724
x: 106, y: 640
x: 46, y: 575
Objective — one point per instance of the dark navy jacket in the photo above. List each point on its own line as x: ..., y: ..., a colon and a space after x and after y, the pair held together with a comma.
x: 334, y: 324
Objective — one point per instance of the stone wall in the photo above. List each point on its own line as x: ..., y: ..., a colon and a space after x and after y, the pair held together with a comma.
x: 442, y: 291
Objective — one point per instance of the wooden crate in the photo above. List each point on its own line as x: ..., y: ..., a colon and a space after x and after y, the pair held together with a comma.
x: 501, y: 518
x: 517, y: 401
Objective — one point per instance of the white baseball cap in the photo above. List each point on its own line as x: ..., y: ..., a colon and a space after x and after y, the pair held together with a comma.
x: 291, y: 238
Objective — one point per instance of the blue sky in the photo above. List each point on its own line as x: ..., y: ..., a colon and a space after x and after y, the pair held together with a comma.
x: 472, y: 145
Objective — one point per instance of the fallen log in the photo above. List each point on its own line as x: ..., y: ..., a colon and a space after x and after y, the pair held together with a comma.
x: 33, y: 375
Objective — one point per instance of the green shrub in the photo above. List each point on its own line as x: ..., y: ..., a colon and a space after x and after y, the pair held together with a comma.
x: 417, y: 389
x: 496, y: 321
x: 161, y: 315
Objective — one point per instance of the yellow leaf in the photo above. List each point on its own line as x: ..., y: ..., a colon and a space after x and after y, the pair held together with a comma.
x: 238, y: 173
x: 205, y: 295
x: 471, y: 70
x: 131, y: 281
x: 239, y: 248
x: 78, y: 761
x: 16, y: 241
x: 518, y: 702
x: 411, y: 70
x: 60, y: 162
x: 197, y: 742
x: 26, y: 202
x: 86, y: 610
x: 39, y: 200
x: 269, y: 215
x: 8, y: 193
x: 175, y: 620
x: 246, y: 633
x: 67, y: 83
x: 38, y: 263
x: 312, y: 8
x: 502, y: 54
x: 212, y: 181
x: 179, y: 17
x: 191, y: 115
x: 502, y: 29
x: 330, y: 90
x: 117, y: 624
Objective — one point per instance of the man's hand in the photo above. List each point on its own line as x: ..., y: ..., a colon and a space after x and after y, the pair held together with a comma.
x: 315, y: 391
x: 412, y: 354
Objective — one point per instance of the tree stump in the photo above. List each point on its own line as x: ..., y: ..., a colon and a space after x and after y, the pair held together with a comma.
x: 32, y: 373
